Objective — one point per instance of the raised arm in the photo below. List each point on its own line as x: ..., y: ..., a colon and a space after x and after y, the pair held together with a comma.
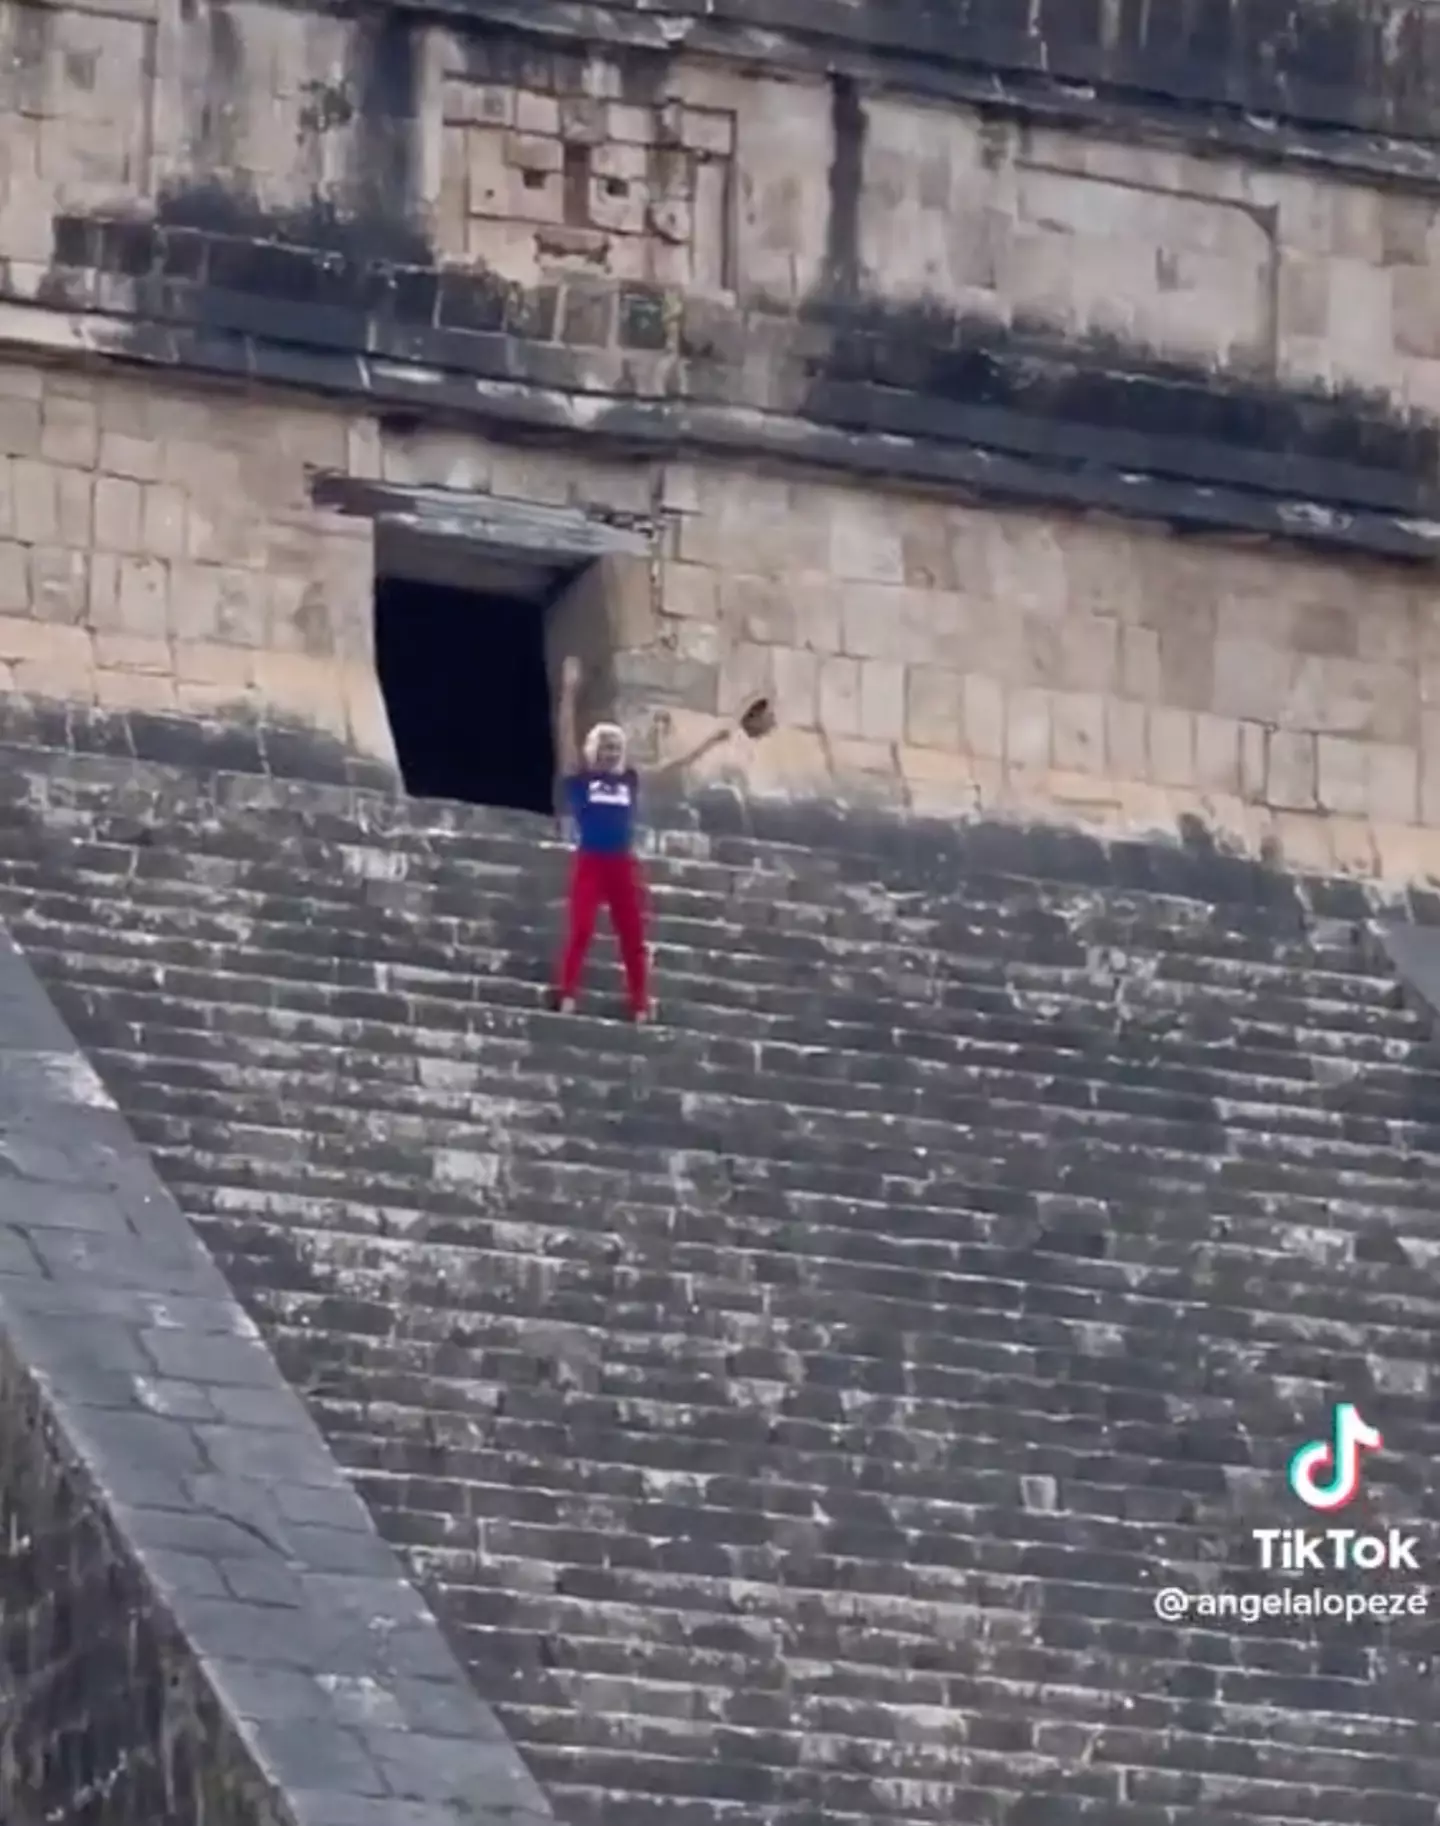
x: 567, y: 738
x: 665, y: 770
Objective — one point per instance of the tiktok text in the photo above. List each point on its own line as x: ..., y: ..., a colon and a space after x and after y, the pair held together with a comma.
x: 1335, y: 1550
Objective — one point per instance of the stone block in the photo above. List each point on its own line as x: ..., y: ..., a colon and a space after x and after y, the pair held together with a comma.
x: 20, y: 424
x: 1078, y: 732
x: 1088, y: 653
x: 193, y: 698
x: 142, y: 598
x: 690, y: 591
x: 1028, y: 729
x: 14, y: 579
x: 940, y: 784
x: 796, y: 677
x: 985, y: 716
x: 1291, y: 782
x: 1342, y: 775
x: 1254, y: 760
x: 203, y: 662
x: 137, y: 459
x: 53, y: 676
x: 1412, y: 325
x: 1407, y: 853
x: 162, y: 521
x: 867, y: 771
x: 367, y: 721
x: 867, y: 542
x: 310, y: 690
x: 697, y: 640
x: 653, y: 677
x: 75, y: 508
x: 882, y: 700
x: 882, y: 621
x: 59, y: 584
x: 747, y: 672
x: 27, y: 210
x: 839, y: 691
x: 1392, y: 784
x: 1171, y: 741
x: 935, y: 708
x: 69, y: 431
x: 1252, y: 680
x: 63, y: 649
x: 133, y: 653
x: 818, y: 616
x: 135, y: 691
x: 119, y: 522
x: 535, y: 113
x: 791, y: 762
x: 1304, y: 299
x: 1217, y: 753
x: 759, y: 608
x: 1127, y: 740
x: 35, y: 501
x: 629, y: 589
x: 364, y: 449
x: 927, y: 548
x: 632, y: 125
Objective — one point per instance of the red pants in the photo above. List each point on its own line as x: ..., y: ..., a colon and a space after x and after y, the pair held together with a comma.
x: 614, y: 882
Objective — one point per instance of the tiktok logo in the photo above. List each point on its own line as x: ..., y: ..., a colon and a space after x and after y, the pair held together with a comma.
x: 1326, y: 1473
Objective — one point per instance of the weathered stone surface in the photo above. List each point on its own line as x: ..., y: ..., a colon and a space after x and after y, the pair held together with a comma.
x: 199, y: 1621
x: 778, y: 246
x: 796, y: 1407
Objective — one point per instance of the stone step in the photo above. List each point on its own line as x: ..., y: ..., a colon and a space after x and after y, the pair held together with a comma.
x: 977, y: 952
x: 1045, y: 1236
x: 378, y: 1166
x: 163, y: 797
x: 500, y: 1382
x: 117, y: 1016
x: 287, y: 1272
x: 592, y: 1090
x: 1044, y: 1064
x: 868, y: 1003
x: 972, y: 929
x: 1010, y: 1178
x: 299, y: 1076
x: 421, y: 1061
x: 375, y: 831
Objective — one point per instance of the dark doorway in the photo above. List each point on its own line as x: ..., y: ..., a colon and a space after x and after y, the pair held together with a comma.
x: 467, y: 692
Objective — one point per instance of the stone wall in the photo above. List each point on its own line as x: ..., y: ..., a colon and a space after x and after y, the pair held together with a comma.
x: 163, y: 555
x: 105, y: 1716
x: 159, y: 550
x: 200, y: 1622
x: 902, y: 385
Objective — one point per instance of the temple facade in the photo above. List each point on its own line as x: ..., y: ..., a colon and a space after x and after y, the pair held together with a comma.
x: 1046, y: 414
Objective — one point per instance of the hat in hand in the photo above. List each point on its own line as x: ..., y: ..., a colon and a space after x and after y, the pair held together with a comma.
x: 758, y: 718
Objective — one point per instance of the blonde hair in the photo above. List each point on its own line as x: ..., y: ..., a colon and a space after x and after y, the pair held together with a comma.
x: 603, y: 732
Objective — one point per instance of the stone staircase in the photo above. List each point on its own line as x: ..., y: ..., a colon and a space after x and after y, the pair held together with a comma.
x: 792, y: 1410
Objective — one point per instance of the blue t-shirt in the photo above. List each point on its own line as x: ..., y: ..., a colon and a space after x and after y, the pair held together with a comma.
x: 603, y: 806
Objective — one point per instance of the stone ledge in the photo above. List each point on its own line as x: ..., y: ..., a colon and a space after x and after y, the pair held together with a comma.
x: 1354, y: 105
x: 1190, y: 862
x: 1413, y: 953
x: 230, y: 745
x: 925, y: 436
x: 235, y: 1581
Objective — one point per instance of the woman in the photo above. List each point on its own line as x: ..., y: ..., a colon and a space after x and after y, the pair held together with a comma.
x: 601, y: 796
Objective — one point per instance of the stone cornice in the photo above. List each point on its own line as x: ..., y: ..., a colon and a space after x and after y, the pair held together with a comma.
x: 511, y: 388
x: 1272, y: 98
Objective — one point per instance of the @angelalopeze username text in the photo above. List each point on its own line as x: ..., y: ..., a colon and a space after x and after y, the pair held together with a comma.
x: 1175, y: 1605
